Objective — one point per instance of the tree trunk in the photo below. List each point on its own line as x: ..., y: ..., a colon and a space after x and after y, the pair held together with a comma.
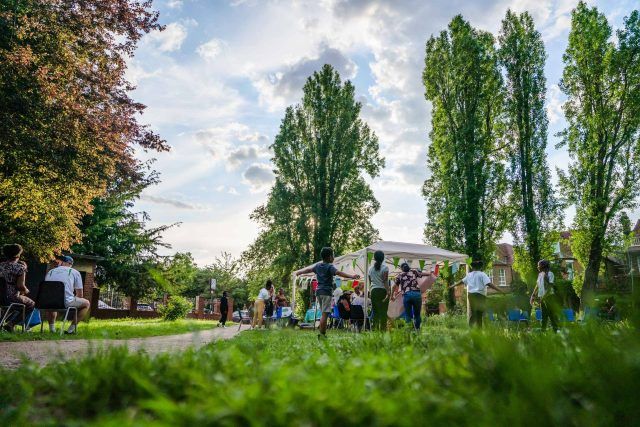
x: 591, y: 271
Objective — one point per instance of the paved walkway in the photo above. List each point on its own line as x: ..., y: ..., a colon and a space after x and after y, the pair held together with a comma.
x: 43, y: 352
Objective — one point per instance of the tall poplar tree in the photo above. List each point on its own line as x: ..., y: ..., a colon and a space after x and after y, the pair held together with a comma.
x: 467, y: 188
x: 601, y: 79
x: 320, y: 196
x: 522, y: 54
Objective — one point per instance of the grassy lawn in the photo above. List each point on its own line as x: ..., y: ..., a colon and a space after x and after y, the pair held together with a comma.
x: 587, y: 375
x: 114, y: 329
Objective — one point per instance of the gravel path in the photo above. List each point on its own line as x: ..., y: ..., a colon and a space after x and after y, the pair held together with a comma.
x: 43, y: 352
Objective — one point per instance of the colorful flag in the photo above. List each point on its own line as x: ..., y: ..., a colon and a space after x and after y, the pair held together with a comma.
x: 369, y: 257
x: 396, y: 261
x: 421, y: 264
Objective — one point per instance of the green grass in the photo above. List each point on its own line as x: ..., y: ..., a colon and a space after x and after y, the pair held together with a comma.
x: 113, y: 329
x: 588, y: 375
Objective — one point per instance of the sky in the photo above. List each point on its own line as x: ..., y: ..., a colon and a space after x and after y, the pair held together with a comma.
x: 217, y: 80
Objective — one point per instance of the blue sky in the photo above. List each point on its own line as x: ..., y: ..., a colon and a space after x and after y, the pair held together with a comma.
x: 217, y: 81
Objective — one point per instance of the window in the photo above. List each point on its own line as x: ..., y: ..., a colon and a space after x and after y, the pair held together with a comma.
x: 570, y: 270
x: 502, y: 277
x: 638, y: 259
x: 490, y: 274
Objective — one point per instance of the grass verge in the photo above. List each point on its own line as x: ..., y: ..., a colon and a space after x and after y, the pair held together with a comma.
x: 447, y: 375
x: 114, y: 329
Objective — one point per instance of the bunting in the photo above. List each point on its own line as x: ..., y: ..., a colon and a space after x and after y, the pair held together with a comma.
x: 369, y: 258
x: 455, y: 267
x: 396, y: 261
x: 421, y: 264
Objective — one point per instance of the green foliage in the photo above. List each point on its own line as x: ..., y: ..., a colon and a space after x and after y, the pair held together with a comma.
x: 601, y: 80
x: 96, y: 329
x: 320, y: 196
x: 523, y: 56
x: 447, y: 375
x: 180, y: 272
x: 465, y: 193
x: 177, y: 307
x: 227, y: 271
x: 119, y: 235
x: 67, y: 124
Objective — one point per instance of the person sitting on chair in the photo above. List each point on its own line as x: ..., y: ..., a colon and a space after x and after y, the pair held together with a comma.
x: 14, y: 273
x: 72, y: 281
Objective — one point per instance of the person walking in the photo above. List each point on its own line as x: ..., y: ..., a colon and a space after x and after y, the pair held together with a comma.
x: 380, y: 292
x: 325, y: 271
x: 407, y: 281
x: 545, y: 291
x: 258, y: 306
x: 14, y: 273
x: 224, y: 309
x: 476, y: 282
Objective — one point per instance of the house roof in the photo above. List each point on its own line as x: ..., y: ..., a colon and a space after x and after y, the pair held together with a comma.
x: 504, y: 254
x: 636, y: 229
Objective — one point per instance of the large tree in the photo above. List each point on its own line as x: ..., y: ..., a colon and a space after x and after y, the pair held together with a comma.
x: 522, y: 54
x: 320, y: 196
x: 67, y: 124
x: 601, y: 79
x: 119, y: 234
x: 466, y: 189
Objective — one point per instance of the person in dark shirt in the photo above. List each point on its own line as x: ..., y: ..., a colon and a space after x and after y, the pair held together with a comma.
x: 224, y: 309
x: 325, y: 271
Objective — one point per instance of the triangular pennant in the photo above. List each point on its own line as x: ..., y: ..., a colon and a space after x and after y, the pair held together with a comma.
x: 369, y: 257
x: 437, y: 270
x: 421, y: 264
x: 396, y: 261
x: 354, y: 263
x: 455, y: 267
x: 469, y: 261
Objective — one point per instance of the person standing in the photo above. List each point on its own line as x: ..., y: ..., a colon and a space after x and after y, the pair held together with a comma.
x: 407, y: 281
x: 73, y: 292
x: 325, y: 271
x: 258, y: 306
x: 224, y: 309
x: 14, y: 273
x: 545, y: 290
x: 476, y: 282
x: 380, y: 292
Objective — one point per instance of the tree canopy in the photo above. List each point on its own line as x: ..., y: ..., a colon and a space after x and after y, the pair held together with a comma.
x: 522, y: 56
x: 601, y: 80
x: 320, y: 196
x: 67, y: 123
x: 466, y: 191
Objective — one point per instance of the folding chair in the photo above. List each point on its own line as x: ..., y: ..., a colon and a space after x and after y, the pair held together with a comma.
x: 51, y: 298
x: 539, y: 314
x: 516, y: 315
x: 569, y: 314
x: 7, y: 307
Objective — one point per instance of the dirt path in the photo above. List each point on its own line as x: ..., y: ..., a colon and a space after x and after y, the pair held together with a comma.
x: 43, y: 352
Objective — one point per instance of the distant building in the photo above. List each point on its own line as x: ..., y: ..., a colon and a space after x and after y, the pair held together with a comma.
x: 502, y: 274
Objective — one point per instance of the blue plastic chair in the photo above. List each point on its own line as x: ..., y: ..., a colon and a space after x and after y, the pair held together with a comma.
x: 569, y: 314
x: 538, y: 315
x: 517, y: 316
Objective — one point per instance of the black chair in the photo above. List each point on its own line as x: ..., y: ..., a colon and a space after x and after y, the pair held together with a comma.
x: 7, y: 307
x: 51, y: 298
x: 357, y: 317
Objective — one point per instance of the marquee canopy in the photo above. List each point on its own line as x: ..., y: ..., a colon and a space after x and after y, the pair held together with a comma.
x: 396, y: 253
x: 418, y: 256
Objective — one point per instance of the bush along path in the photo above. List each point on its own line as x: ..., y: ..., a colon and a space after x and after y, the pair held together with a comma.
x: 12, y: 354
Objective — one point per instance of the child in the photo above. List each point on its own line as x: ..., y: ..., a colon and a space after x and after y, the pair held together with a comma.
x: 325, y: 272
x: 476, y: 282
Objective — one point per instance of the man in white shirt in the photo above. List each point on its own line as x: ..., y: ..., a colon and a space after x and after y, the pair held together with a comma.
x: 72, y: 282
x: 476, y: 282
x: 545, y: 291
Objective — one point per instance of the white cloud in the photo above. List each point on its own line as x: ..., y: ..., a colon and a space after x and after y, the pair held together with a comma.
x: 555, y: 100
x: 211, y: 49
x: 225, y: 143
x: 170, y: 39
x: 258, y: 177
x: 284, y: 86
x: 174, y: 4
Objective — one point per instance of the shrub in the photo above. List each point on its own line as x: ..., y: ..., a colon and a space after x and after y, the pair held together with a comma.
x: 176, y: 308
